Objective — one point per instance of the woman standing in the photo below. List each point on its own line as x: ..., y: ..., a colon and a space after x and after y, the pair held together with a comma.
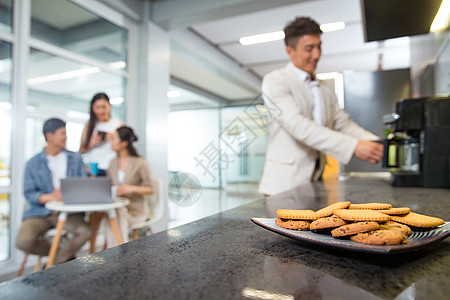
x: 97, y: 132
x: 131, y: 174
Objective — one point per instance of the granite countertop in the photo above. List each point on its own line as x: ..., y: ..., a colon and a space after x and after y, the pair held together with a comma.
x: 226, y: 256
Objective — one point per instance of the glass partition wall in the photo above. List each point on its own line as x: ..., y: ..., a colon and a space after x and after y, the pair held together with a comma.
x: 243, y: 137
x: 215, y: 158
x: 71, y: 52
x: 218, y: 145
x: 5, y: 126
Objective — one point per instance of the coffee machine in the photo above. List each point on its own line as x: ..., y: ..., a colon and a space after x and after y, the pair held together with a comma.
x: 417, y: 151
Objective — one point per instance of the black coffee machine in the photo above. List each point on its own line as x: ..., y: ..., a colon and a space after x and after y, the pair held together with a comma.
x: 417, y: 152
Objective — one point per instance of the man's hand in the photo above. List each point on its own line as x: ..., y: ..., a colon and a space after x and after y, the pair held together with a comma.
x: 369, y: 151
x: 55, y: 196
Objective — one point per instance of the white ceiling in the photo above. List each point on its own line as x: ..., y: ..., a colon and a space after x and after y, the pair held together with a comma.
x: 65, y: 14
x: 208, y: 61
x: 341, y: 50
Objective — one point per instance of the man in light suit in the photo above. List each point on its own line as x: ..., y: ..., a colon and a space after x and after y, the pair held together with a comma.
x: 305, y: 121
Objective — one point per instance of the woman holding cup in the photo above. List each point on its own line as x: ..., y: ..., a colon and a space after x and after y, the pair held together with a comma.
x: 130, y: 174
x: 96, y: 134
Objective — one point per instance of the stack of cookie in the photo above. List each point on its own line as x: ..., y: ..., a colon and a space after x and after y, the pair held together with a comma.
x: 368, y: 223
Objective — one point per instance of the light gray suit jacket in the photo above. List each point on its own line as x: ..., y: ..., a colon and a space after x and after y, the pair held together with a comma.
x: 295, y: 139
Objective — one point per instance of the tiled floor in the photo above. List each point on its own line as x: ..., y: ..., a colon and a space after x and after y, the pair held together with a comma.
x: 211, y: 201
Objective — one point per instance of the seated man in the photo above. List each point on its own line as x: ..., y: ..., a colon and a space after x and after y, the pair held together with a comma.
x: 42, y: 182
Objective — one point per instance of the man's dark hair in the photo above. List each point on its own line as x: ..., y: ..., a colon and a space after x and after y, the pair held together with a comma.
x: 53, y: 124
x: 299, y: 27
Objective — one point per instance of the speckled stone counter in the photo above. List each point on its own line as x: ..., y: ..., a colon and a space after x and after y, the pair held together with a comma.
x: 226, y: 256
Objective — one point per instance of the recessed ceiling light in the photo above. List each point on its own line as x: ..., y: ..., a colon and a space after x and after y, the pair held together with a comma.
x: 116, y: 100
x: 173, y: 94
x: 279, y: 35
x: 332, y: 26
x: 64, y: 75
x: 117, y: 65
x: 261, y: 38
x: 441, y: 19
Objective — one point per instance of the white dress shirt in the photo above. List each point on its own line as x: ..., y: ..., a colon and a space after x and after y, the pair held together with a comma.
x: 314, y: 94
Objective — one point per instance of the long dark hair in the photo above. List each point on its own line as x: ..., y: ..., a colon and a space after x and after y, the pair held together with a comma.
x: 93, y: 118
x: 126, y: 134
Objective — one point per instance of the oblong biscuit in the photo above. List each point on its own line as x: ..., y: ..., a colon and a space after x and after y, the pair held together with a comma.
x: 418, y: 220
x: 354, y: 228
x: 370, y: 206
x: 293, y: 224
x: 297, y: 214
x: 361, y: 215
x: 380, y: 237
x: 328, y: 210
x: 395, y: 211
x: 327, y: 223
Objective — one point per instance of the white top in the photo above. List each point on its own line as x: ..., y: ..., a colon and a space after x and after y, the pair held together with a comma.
x: 103, y: 153
x: 58, y: 166
x: 314, y: 94
x: 120, y: 176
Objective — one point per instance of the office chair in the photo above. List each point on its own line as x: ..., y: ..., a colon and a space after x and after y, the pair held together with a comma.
x: 156, y: 210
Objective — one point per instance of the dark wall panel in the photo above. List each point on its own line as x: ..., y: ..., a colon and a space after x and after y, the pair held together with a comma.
x: 370, y: 95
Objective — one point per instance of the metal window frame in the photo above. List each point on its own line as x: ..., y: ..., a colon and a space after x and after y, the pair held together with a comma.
x: 22, y: 42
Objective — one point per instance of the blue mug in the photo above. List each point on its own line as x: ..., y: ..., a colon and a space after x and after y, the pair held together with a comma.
x: 93, y: 167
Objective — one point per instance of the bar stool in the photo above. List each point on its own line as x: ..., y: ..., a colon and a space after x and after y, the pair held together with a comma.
x: 49, y: 236
x: 24, y: 263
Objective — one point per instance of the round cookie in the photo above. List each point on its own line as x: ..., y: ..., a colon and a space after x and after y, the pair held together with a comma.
x: 380, y: 237
x: 293, y: 224
x: 390, y: 225
x: 354, y: 228
x: 327, y: 223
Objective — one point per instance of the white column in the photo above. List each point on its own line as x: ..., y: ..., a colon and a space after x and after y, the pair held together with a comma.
x: 22, y: 11
x: 152, y: 105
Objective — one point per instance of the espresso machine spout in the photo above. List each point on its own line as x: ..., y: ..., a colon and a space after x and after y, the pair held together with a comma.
x: 390, y: 118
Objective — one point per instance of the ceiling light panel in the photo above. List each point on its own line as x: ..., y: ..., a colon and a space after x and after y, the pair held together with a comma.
x: 261, y: 38
x: 442, y: 19
x: 279, y: 35
x: 332, y: 26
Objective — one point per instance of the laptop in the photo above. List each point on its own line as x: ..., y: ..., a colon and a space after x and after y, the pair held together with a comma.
x: 82, y: 190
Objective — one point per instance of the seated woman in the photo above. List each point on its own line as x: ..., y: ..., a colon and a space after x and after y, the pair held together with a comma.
x: 131, y: 174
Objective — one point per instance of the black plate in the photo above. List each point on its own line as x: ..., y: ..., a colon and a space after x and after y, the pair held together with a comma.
x: 418, y: 239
